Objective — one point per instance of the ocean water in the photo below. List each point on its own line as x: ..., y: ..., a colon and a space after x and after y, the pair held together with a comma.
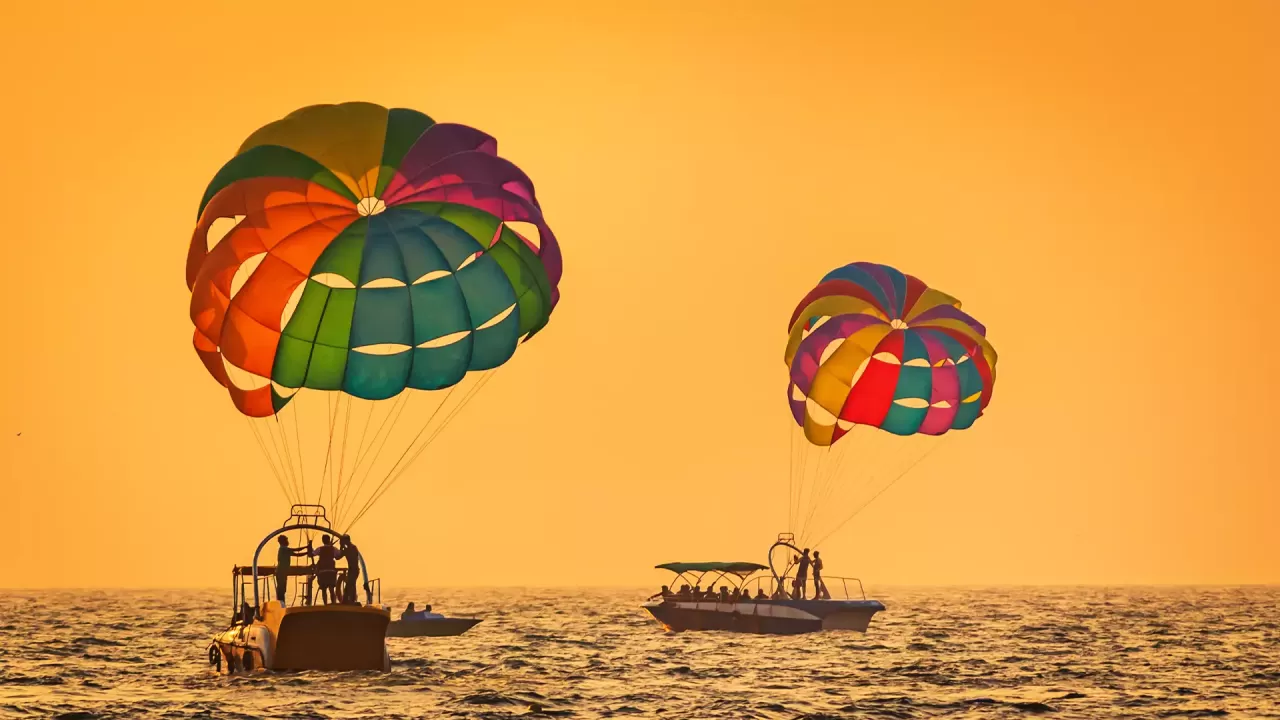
x: 972, y: 652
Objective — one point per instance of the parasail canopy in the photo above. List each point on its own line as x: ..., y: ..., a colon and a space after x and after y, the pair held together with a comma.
x: 871, y: 345
x: 365, y: 250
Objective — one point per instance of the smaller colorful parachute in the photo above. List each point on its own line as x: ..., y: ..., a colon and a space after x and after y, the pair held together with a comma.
x: 873, y: 346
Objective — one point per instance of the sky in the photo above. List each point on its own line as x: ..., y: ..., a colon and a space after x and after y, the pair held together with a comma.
x: 1095, y: 181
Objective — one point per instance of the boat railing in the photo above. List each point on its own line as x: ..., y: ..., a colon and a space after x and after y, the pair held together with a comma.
x: 304, y: 514
x: 844, y: 584
x: 301, y: 589
x: 837, y: 592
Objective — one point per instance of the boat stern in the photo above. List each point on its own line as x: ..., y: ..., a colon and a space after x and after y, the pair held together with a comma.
x: 328, y: 637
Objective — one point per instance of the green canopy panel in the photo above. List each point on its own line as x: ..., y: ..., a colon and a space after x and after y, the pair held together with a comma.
x: 736, y: 568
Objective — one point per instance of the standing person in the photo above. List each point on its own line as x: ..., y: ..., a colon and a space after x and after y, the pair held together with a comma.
x: 351, y: 554
x: 284, y: 558
x: 802, y: 574
x: 326, y: 569
x: 819, y: 587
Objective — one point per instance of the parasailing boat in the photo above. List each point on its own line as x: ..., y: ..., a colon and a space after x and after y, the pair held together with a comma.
x: 760, y: 604
x: 270, y: 634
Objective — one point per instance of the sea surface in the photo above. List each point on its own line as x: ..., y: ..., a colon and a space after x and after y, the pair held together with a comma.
x: 941, y: 652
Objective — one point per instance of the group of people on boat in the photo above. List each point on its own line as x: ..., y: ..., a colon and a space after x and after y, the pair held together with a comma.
x: 804, y: 566
x: 325, y: 567
x: 697, y: 594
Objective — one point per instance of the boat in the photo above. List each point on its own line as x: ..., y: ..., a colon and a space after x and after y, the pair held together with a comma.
x: 298, y: 635
x: 430, y: 627
x: 762, y: 604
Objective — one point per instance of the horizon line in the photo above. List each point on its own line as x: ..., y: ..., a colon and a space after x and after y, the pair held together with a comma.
x: 914, y: 586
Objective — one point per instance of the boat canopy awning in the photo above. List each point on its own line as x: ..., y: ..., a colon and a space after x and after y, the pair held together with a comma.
x: 736, y: 568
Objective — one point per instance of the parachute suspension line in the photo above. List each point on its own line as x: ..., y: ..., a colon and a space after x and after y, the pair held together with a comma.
x: 831, y: 482
x: 271, y: 426
x: 812, y: 470
x: 284, y: 439
x: 342, y: 457
x: 360, y: 448
x: 377, y: 490
x: 882, y: 491
x: 262, y: 445
x: 802, y: 477
x: 475, y: 390
x: 286, y: 463
x: 814, y: 487
x: 791, y: 477
x: 806, y: 459
x: 869, y: 457
x: 266, y: 452
x: 829, y: 487
x: 430, y: 418
x: 804, y: 474
x: 297, y: 438
x: 335, y: 405
x: 396, y: 409
x: 328, y: 452
x: 345, y: 475
x: 389, y: 422
x: 399, y: 469
x: 272, y: 453
x: 821, y: 485
x: 823, y: 462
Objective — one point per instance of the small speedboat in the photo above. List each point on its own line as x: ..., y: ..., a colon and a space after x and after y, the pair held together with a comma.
x: 430, y: 626
x: 274, y: 635
x: 771, y: 609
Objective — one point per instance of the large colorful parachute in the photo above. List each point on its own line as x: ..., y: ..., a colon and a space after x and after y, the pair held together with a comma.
x: 368, y: 253
x: 871, y: 347
x: 362, y: 251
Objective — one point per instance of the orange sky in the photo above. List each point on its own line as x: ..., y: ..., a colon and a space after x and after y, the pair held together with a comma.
x: 1096, y: 184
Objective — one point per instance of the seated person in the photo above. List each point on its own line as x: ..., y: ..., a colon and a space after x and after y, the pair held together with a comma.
x: 684, y: 593
x: 664, y: 593
x: 410, y: 613
x: 760, y: 594
x: 724, y: 593
x: 735, y: 595
x: 423, y: 614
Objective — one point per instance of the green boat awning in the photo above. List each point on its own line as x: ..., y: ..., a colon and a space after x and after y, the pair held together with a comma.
x: 737, y: 568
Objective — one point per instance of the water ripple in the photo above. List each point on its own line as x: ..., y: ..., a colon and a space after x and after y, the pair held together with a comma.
x: 1000, y: 653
